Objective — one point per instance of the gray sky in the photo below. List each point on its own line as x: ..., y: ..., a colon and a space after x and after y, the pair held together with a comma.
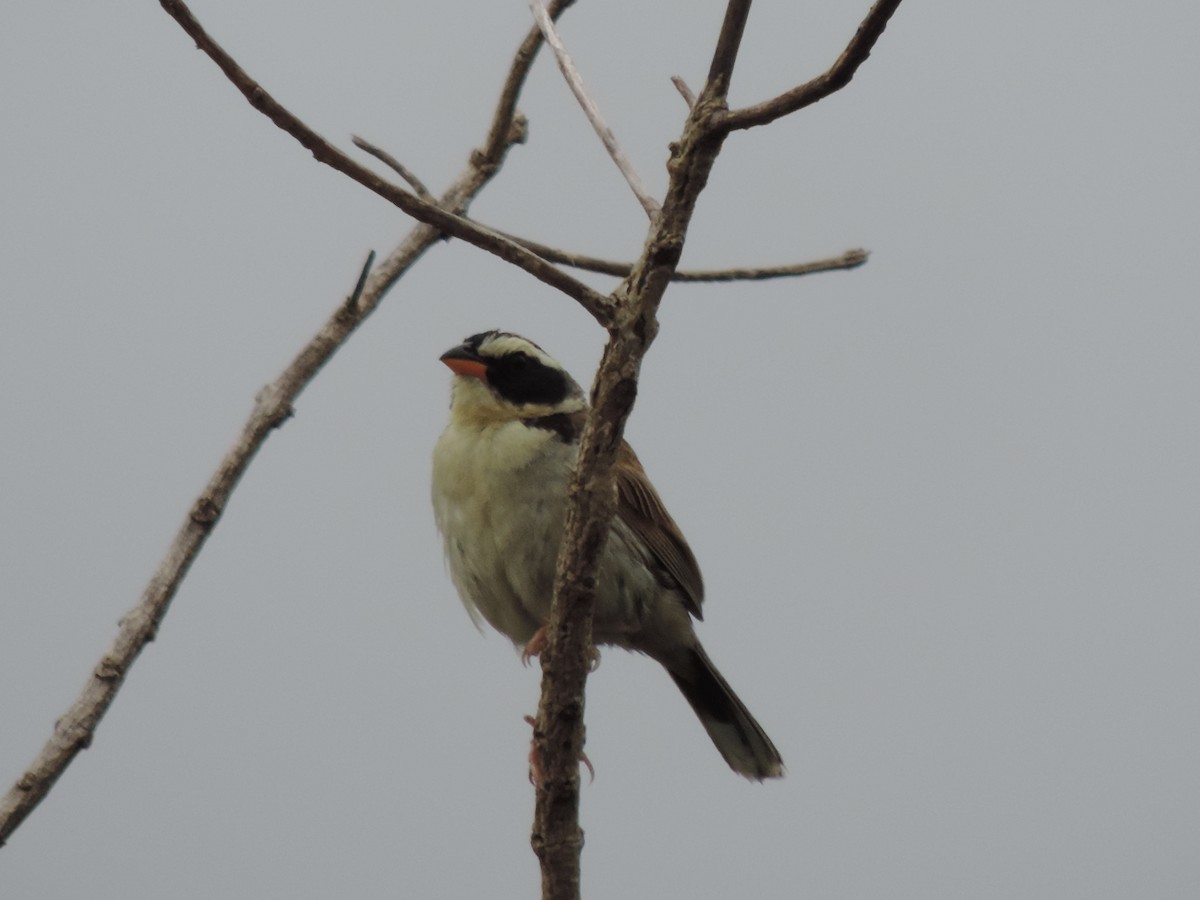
x: 947, y: 506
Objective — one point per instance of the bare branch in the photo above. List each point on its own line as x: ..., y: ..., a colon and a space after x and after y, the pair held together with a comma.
x: 396, y: 166
x: 559, y: 735
x: 431, y: 214
x: 684, y: 91
x: 75, y: 729
x: 575, y: 81
x: 351, y: 306
x: 851, y: 259
x: 836, y: 78
x: 720, y: 71
x: 506, y: 110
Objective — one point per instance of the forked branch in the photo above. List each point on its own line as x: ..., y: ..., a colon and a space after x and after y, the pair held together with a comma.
x: 559, y: 733
x: 851, y: 259
x: 75, y: 729
x: 429, y: 213
x: 836, y: 78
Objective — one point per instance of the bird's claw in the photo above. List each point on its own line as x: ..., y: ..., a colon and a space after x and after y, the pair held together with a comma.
x: 537, y: 646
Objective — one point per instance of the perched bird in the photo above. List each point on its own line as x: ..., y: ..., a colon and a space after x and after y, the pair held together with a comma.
x: 500, y: 472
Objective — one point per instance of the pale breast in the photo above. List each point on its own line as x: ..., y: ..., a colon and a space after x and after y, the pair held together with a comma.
x: 498, y: 500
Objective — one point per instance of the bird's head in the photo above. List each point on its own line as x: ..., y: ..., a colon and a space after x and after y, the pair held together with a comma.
x: 503, y: 376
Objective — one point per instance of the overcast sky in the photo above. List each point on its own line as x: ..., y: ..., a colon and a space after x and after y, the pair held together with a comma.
x: 947, y: 506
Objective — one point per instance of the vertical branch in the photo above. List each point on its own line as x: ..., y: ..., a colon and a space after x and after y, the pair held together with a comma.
x: 559, y: 735
x: 728, y: 43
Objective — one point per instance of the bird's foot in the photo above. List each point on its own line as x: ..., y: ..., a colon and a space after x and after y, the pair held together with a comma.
x: 535, y: 647
x: 540, y: 640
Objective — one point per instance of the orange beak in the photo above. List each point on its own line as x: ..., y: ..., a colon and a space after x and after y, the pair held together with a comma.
x: 462, y: 361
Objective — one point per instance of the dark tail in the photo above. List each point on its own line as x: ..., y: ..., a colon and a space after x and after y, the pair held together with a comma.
x: 737, y: 736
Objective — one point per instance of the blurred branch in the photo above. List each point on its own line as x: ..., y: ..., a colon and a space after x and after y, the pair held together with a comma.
x: 75, y: 729
x: 575, y: 81
x: 429, y: 213
x: 836, y: 78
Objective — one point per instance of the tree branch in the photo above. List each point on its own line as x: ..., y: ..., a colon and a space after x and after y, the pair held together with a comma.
x: 431, y: 214
x: 575, y: 81
x: 851, y: 259
x: 729, y: 41
x: 75, y: 729
x: 559, y: 734
x: 506, y: 109
x: 836, y: 78
x: 684, y: 91
x: 396, y: 166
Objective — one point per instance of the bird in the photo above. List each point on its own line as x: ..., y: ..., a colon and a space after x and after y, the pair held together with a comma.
x: 499, y: 486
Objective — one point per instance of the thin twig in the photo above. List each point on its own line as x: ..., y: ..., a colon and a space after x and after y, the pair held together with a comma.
x: 75, y: 729
x: 395, y: 165
x: 507, y: 118
x: 848, y: 260
x: 351, y: 307
x: 362, y: 279
x: 431, y: 214
x: 851, y: 259
x: 684, y: 91
x: 575, y: 82
x: 834, y: 79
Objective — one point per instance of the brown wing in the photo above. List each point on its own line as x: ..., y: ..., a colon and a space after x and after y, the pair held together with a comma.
x: 640, y: 508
